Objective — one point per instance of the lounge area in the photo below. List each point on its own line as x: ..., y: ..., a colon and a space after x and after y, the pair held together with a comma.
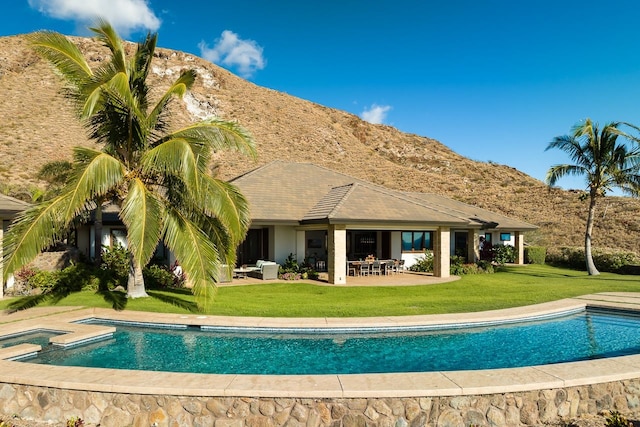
x: 264, y: 270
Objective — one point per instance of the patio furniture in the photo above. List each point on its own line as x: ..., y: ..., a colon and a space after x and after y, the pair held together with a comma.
x: 265, y: 270
x: 376, y: 268
x: 364, y: 269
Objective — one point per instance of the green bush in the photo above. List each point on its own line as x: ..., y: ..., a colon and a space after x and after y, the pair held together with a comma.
x: 159, y: 277
x: 503, y: 254
x: 605, y: 260
x: 615, y: 419
x: 115, y: 260
x: 44, y: 280
x: 424, y: 264
x: 457, y: 266
x: 535, y: 254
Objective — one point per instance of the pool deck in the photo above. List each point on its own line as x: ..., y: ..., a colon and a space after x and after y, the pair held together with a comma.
x: 449, y: 383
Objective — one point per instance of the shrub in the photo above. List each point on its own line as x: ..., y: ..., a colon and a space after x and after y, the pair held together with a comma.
x: 44, y: 280
x: 425, y: 263
x: 615, y: 419
x: 457, y: 265
x: 159, y: 277
x: 290, y: 265
x: 116, y: 261
x: 290, y: 276
x: 503, y: 254
x: 77, y: 277
x: 605, y: 260
x: 535, y: 254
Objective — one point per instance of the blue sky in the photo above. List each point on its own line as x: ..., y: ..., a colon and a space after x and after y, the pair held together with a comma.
x: 494, y: 80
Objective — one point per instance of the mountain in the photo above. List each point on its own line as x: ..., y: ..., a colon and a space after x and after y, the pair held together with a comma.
x: 37, y: 125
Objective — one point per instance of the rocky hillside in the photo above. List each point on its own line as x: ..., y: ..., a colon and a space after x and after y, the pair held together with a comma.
x: 37, y: 125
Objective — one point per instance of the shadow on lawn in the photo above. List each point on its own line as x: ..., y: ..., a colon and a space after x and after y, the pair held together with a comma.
x: 116, y: 299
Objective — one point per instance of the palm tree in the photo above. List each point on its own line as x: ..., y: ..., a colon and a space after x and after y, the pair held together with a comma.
x: 605, y: 162
x: 159, y: 179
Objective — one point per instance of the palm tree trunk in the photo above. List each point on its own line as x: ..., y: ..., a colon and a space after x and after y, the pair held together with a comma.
x: 591, y: 267
x: 98, y: 235
x: 135, y: 284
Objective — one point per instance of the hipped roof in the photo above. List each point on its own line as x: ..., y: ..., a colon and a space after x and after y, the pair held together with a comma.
x: 304, y: 193
x: 10, y: 207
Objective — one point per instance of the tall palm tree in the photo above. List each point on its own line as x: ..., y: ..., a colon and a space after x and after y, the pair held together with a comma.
x: 604, y: 161
x: 159, y: 179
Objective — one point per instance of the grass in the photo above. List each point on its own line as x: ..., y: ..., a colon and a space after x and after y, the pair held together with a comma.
x: 511, y: 287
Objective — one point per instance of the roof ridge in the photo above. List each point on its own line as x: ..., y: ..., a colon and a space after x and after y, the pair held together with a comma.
x: 344, y: 197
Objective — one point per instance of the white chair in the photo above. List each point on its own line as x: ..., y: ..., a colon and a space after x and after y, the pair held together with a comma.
x: 364, y: 269
x: 376, y: 268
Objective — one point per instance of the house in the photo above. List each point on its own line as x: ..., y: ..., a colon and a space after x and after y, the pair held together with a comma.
x: 317, y: 214
x: 9, y: 210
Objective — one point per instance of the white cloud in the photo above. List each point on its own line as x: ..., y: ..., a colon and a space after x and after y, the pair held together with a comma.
x: 375, y: 114
x: 125, y: 15
x: 233, y: 52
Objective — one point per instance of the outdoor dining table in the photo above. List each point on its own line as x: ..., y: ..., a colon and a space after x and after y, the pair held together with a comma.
x: 383, y: 265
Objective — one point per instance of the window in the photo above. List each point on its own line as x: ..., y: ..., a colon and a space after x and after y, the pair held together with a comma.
x: 505, y: 237
x: 416, y: 241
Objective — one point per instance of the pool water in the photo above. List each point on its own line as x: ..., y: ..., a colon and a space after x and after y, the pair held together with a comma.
x: 572, y: 337
x: 39, y: 337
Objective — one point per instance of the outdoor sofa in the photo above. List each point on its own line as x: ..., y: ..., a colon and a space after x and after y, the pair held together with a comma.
x: 265, y: 270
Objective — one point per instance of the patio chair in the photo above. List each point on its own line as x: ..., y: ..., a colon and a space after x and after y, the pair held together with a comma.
x: 364, y: 269
x: 401, y: 266
x: 376, y: 268
x: 352, y: 268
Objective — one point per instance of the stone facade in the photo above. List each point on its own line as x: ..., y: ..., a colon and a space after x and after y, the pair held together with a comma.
x: 494, y: 410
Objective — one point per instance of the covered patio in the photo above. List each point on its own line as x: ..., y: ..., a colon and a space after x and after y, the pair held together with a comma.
x: 314, y: 214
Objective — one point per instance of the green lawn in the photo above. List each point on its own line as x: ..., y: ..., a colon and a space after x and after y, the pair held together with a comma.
x: 511, y: 287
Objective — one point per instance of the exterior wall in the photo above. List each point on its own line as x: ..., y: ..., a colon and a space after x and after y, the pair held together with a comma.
x: 529, y: 408
x: 284, y: 243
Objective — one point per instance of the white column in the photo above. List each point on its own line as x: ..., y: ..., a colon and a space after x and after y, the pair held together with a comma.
x: 337, y: 254
x: 441, y: 256
x: 519, y: 247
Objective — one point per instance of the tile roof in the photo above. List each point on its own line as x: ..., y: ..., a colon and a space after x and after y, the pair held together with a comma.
x: 289, y: 192
x: 9, y: 206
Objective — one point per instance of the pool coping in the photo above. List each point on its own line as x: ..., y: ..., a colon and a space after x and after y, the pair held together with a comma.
x: 443, y: 383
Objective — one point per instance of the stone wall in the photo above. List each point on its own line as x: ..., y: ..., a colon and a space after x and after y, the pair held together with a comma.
x: 509, y: 409
x: 55, y: 260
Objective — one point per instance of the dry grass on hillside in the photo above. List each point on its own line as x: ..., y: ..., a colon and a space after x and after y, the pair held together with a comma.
x: 37, y: 125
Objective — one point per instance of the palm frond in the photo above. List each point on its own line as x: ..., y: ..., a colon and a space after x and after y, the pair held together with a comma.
x: 63, y: 55
x: 225, y: 202
x: 177, y: 89
x: 173, y: 158
x: 142, y: 213
x: 198, y: 256
x: 107, y: 35
x: 219, y: 135
x: 33, y: 231
x: 95, y: 175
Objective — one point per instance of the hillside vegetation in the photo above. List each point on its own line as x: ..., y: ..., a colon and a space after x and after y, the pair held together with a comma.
x: 37, y: 125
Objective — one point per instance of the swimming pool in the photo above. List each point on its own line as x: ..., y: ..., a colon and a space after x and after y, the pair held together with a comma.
x: 583, y: 335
